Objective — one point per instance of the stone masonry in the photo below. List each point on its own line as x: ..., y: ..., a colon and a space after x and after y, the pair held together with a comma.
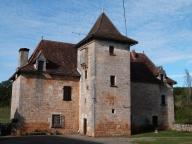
x: 110, y: 91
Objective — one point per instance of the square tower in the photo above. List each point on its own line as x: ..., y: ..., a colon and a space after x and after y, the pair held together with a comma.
x: 104, y: 64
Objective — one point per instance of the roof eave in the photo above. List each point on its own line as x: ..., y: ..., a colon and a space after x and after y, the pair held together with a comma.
x: 89, y: 38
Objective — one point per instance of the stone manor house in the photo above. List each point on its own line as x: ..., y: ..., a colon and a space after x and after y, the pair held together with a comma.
x: 97, y: 87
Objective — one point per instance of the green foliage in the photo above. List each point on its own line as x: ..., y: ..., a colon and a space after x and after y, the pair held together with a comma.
x: 4, y: 114
x: 183, y: 109
x: 5, y: 93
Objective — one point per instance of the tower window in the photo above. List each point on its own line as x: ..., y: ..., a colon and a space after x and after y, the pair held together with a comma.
x: 111, y: 50
x: 67, y: 93
x: 112, y: 80
x: 40, y: 65
x: 163, y: 100
x: 113, y: 111
x: 85, y: 74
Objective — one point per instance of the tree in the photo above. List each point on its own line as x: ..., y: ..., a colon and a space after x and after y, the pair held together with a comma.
x: 188, y: 84
x: 5, y: 92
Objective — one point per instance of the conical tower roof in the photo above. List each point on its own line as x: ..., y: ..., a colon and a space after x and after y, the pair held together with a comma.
x: 105, y: 30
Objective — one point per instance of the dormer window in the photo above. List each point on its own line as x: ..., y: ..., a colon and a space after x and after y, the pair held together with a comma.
x: 40, y: 65
x: 111, y: 50
x: 161, y: 77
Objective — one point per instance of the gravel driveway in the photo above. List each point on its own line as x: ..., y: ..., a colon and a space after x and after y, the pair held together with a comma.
x: 71, y: 139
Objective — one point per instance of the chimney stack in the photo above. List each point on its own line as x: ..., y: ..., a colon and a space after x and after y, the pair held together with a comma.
x: 23, y: 56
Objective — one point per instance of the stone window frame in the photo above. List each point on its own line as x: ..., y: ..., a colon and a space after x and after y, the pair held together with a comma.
x: 61, y: 120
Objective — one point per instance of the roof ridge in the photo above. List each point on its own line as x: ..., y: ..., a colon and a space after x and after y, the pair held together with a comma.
x: 57, y: 41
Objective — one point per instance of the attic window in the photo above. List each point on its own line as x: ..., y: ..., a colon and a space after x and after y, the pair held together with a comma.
x: 161, y: 77
x: 111, y: 50
x: 40, y: 65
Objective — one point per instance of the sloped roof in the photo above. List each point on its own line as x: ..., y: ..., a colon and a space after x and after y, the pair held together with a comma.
x: 105, y: 30
x: 141, y: 57
x: 142, y: 69
x: 61, y: 59
x: 141, y: 73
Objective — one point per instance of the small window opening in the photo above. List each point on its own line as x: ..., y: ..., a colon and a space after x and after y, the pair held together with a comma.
x: 57, y: 121
x: 67, y: 93
x: 40, y: 65
x: 112, y: 80
x: 163, y: 100
x: 85, y: 74
x: 111, y: 50
x: 113, y: 111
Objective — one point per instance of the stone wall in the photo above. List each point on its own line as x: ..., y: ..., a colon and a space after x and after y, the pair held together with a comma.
x: 15, y: 96
x: 146, y: 103
x: 40, y: 97
x: 183, y: 127
x: 108, y: 98
x: 87, y: 88
x: 97, y: 97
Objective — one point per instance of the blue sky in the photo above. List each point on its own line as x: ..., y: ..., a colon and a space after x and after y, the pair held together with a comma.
x: 163, y: 28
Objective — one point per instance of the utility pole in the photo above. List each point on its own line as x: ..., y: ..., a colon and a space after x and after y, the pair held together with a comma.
x: 188, y: 83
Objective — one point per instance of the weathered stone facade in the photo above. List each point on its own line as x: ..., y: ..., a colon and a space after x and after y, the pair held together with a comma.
x: 36, y: 98
x: 146, y: 103
x: 97, y: 97
x: 113, y: 91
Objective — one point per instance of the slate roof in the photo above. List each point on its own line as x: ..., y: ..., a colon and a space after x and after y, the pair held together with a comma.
x: 61, y: 59
x: 105, y: 30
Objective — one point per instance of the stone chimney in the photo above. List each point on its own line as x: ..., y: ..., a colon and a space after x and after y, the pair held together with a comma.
x: 23, y: 56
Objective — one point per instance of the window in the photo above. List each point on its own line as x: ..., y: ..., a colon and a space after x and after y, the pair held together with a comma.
x: 40, y: 65
x: 112, y: 80
x: 85, y: 74
x: 67, y: 93
x: 161, y: 77
x: 113, y: 111
x: 111, y: 50
x: 163, y: 100
x: 57, y: 121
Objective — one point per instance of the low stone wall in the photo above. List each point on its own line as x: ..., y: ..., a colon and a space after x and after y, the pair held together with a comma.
x: 183, y: 127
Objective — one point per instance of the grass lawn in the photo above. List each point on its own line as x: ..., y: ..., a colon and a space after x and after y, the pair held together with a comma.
x: 4, y: 114
x: 163, y: 137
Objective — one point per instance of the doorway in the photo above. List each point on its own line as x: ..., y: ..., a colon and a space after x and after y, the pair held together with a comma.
x: 84, y: 126
x: 155, y: 122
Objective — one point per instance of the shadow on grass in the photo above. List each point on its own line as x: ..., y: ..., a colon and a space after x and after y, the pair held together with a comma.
x: 44, y: 140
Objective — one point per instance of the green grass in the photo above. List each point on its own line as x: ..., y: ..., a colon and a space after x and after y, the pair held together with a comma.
x: 4, y: 114
x: 184, y: 114
x: 163, y: 137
